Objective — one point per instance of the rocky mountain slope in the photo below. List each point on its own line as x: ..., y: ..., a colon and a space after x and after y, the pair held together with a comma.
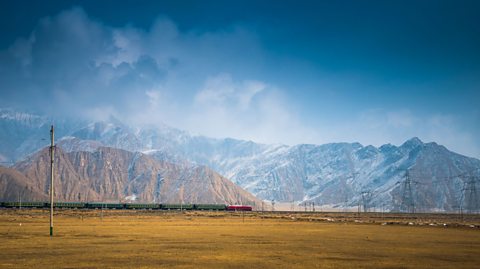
x: 108, y: 174
x: 341, y: 175
x: 348, y: 175
x: 14, y: 186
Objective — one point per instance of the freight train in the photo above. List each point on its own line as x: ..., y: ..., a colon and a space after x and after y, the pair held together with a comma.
x: 97, y: 205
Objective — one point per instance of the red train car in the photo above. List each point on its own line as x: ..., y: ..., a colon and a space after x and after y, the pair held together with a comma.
x: 239, y: 208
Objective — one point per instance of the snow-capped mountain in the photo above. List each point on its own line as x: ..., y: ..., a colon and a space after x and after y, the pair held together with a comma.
x: 23, y: 133
x: 342, y: 175
x: 348, y: 175
x: 412, y: 176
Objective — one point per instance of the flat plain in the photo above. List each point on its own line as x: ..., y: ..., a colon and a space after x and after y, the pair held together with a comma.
x: 159, y: 239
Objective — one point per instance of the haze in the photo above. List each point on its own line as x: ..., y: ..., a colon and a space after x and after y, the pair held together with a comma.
x: 373, y: 72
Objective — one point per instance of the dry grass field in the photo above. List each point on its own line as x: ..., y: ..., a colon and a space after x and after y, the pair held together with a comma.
x: 152, y: 239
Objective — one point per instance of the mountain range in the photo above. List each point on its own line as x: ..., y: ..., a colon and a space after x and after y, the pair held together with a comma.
x: 109, y: 174
x: 413, y: 176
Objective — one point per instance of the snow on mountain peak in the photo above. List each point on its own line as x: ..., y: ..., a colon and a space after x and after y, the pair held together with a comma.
x: 334, y: 174
x: 412, y: 142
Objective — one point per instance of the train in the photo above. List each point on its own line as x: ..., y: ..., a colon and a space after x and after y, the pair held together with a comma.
x: 99, y: 205
x: 239, y: 208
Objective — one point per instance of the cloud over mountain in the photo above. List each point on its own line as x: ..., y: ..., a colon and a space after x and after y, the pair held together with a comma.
x: 240, y: 79
x: 74, y: 65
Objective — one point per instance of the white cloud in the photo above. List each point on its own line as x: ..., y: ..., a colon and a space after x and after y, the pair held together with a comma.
x: 222, y: 90
x: 140, y: 76
x: 218, y: 91
x: 74, y: 65
x: 250, y: 110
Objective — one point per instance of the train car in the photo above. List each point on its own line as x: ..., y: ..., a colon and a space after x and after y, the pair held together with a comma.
x: 67, y: 205
x: 239, y: 208
x: 210, y: 207
x: 11, y: 204
x: 105, y: 205
x: 177, y: 206
x: 142, y: 206
x: 24, y: 204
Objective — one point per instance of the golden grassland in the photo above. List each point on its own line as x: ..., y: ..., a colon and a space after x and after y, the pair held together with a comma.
x: 155, y: 239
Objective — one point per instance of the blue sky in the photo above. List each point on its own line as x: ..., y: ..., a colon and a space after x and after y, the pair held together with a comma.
x: 270, y: 71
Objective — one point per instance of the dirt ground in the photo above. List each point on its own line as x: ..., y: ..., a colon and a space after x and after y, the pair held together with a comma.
x: 154, y: 239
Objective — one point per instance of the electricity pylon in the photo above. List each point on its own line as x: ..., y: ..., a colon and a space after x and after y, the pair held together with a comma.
x: 471, y: 195
x: 408, y: 201
x: 366, y: 199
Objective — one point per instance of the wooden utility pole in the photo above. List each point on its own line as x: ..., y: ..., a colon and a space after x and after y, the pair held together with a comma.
x: 52, y: 157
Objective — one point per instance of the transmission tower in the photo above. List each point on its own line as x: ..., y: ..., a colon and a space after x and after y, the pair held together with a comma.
x: 346, y: 198
x: 408, y: 202
x: 471, y: 195
x: 158, y: 187
x: 345, y: 204
x: 366, y: 199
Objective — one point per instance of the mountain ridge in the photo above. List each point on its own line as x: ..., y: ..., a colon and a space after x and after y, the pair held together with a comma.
x: 334, y: 174
x: 109, y: 174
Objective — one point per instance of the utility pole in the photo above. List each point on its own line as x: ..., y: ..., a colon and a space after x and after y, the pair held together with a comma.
x: 19, y: 200
x: 52, y: 157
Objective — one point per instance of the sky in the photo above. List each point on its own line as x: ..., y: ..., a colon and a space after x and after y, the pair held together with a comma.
x: 289, y: 72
